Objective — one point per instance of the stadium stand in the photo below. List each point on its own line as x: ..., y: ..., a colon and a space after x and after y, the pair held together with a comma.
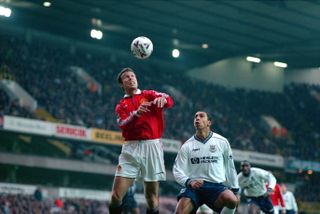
x: 45, y: 73
x: 236, y: 112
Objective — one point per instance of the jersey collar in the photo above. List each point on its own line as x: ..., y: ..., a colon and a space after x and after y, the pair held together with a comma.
x: 204, y: 140
x: 137, y: 92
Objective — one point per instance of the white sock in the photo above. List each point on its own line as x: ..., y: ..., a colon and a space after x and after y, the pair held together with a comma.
x: 226, y: 210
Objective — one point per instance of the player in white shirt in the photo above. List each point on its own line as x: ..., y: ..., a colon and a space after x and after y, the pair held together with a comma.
x: 289, y: 200
x: 204, y: 165
x: 253, y: 182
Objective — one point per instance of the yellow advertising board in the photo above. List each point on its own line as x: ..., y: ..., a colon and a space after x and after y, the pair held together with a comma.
x: 106, y: 136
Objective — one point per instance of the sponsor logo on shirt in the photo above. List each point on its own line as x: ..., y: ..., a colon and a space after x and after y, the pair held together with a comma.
x: 207, y: 159
x: 213, y: 148
x: 143, y: 100
x: 195, y: 150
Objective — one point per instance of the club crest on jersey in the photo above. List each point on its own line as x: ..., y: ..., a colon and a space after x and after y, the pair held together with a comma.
x: 143, y: 100
x: 182, y: 190
x: 212, y: 148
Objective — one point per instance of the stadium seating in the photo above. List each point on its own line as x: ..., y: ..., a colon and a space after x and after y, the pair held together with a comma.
x: 44, y: 73
x: 43, y: 70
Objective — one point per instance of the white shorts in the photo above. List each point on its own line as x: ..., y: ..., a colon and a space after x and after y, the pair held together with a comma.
x: 143, y: 158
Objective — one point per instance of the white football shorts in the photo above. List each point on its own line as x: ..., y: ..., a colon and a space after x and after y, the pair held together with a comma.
x: 142, y: 158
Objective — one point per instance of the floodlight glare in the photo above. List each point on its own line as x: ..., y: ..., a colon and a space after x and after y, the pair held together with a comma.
x: 253, y: 59
x: 46, y: 4
x: 96, y: 34
x: 175, y: 53
x: 5, y: 11
x: 204, y: 45
x: 280, y: 64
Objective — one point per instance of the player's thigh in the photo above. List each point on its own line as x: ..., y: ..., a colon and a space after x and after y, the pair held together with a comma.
x: 121, y: 186
x: 153, y: 169
x: 185, y: 206
x: 253, y: 209
x: 226, y: 199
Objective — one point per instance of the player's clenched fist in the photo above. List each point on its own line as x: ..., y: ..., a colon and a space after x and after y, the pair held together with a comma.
x: 196, y: 184
x: 160, y: 102
x: 143, y: 108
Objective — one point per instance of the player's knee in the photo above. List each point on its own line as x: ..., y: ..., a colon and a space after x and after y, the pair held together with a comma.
x: 185, y: 206
x: 116, y: 198
x: 152, y: 200
x: 232, y: 203
x: 182, y: 210
x: 227, y: 199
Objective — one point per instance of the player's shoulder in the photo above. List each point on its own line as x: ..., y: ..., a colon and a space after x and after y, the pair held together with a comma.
x: 121, y: 103
x: 219, y: 137
x: 257, y: 170
x: 118, y: 106
x: 240, y: 176
x: 188, y: 142
x: 149, y: 91
x: 155, y: 93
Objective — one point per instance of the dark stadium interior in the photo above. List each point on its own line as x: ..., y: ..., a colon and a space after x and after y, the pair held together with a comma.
x: 39, y: 46
x: 279, y: 29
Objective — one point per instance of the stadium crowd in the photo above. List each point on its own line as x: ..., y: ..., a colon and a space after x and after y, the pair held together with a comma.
x: 15, y: 204
x: 20, y: 204
x: 43, y: 70
x: 45, y: 73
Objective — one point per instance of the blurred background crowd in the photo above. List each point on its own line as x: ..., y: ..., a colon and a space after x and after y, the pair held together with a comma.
x: 45, y: 72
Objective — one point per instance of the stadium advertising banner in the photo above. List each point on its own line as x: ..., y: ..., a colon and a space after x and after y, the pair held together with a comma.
x: 294, y: 164
x: 259, y: 158
x: 73, y: 132
x: 17, y: 189
x: 114, y: 137
x: 82, y: 193
x: 27, y: 125
x: 106, y: 136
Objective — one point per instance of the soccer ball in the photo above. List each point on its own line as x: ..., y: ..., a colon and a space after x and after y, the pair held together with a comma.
x: 141, y: 47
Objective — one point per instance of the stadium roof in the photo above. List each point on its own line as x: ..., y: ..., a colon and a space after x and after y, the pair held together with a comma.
x: 279, y: 30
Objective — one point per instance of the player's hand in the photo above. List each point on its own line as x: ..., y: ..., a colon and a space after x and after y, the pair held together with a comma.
x: 160, y: 102
x: 267, y: 195
x: 196, y: 184
x: 144, y: 107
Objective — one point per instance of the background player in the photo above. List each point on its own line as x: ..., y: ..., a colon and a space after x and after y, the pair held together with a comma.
x: 289, y: 200
x: 277, y: 200
x: 253, y: 183
x: 129, y: 203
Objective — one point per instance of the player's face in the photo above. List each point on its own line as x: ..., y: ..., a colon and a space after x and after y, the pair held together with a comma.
x: 201, y: 120
x: 245, y: 168
x: 129, y: 81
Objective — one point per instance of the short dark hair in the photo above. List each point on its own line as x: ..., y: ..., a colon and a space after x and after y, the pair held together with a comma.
x: 208, y: 115
x: 245, y: 162
x: 121, y: 72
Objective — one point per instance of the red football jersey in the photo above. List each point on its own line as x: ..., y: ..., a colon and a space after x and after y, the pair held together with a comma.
x: 276, y: 196
x: 147, y: 126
